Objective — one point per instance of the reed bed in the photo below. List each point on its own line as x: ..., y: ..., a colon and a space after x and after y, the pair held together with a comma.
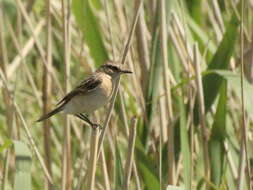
x: 182, y: 120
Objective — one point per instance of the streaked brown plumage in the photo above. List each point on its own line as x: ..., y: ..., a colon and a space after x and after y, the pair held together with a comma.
x: 91, y: 94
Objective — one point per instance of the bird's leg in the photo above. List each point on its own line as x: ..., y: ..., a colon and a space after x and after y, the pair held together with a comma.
x: 85, y: 118
x: 93, y: 125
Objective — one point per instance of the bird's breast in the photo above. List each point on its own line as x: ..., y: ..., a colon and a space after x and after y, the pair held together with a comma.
x: 91, y: 101
x: 106, y: 87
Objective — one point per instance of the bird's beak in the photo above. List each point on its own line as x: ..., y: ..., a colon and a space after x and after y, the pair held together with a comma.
x: 125, y: 72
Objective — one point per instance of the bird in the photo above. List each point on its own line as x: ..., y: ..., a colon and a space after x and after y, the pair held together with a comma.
x: 90, y: 95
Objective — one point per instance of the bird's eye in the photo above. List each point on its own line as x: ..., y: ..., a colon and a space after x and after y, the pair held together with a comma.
x: 115, y: 69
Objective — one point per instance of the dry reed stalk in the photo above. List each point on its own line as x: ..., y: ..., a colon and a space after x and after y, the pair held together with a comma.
x: 105, y: 171
x: 38, y: 44
x: 215, y: 25
x: 7, y: 101
x: 161, y: 137
x: 181, y: 28
x: 3, y: 48
x: 218, y: 15
x: 179, y: 167
x: 122, y: 106
x: 109, y: 26
x: 231, y: 162
x: 137, y: 87
x: 25, y: 50
x: 201, y: 104
x: 30, y: 78
x: 166, y: 86
x: 75, y: 126
x: 47, y: 93
x: 19, y: 27
x: 178, y: 49
x: 81, y: 178
x: 191, y: 96
x: 26, y: 68
x: 124, y: 56
x: 180, y: 25
x: 136, y: 176
x: 142, y: 48
x: 33, y: 145
x: 123, y: 110
x: 162, y: 118
x: 66, y: 161
x: 4, y: 61
x: 238, y: 16
x: 130, y: 154
x: 241, y: 168
x: 27, y: 131
x: 120, y: 16
x: 244, y: 158
x: 93, y: 159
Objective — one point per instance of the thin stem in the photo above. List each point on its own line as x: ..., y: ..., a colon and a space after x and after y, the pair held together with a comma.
x: 7, y: 101
x: 105, y: 171
x: 201, y: 103
x: 29, y: 45
x: 93, y: 159
x: 244, y: 159
x: 109, y: 28
x: 38, y: 44
x: 126, y: 49
x: 66, y: 167
x: 166, y: 85
x: 28, y: 133
x: 130, y: 155
x: 46, y: 94
x: 142, y: 48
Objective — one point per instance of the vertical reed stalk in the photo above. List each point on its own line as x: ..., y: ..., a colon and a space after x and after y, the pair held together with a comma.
x: 218, y: 15
x: 93, y: 159
x: 109, y: 26
x: 66, y: 162
x: 105, y: 171
x: 27, y: 131
x: 202, y: 113
x: 46, y: 94
x: 7, y: 99
x: 123, y: 110
x: 244, y: 159
x: 22, y: 60
x: 142, y: 47
x: 37, y: 42
x: 161, y: 140
x: 136, y: 176
x: 130, y: 155
x: 25, y: 50
x: 124, y: 56
x: 191, y: 128
x: 166, y: 84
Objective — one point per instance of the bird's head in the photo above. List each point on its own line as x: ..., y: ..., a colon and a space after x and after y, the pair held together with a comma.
x: 113, y: 70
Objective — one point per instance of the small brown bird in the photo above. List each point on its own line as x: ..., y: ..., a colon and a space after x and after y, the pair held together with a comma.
x: 91, y: 94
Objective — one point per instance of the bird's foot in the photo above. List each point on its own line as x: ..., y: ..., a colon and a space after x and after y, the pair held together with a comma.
x: 95, y: 126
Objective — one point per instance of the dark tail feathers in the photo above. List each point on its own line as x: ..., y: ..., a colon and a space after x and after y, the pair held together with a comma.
x: 46, y: 116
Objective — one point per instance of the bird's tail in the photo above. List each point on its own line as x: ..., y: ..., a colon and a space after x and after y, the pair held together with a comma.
x: 46, y: 116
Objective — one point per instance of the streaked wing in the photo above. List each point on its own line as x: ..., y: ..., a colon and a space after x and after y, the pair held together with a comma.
x: 87, y: 85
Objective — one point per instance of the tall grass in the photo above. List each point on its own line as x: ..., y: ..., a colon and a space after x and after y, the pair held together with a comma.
x: 183, y: 118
